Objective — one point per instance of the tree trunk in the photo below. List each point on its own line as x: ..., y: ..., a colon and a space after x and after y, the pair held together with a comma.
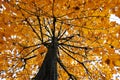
x: 48, y: 70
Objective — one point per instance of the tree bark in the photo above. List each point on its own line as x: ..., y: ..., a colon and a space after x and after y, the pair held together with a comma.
x: 48, y: 70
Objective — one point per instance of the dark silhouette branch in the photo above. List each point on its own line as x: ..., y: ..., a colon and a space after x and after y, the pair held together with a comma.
x: 47, y: 35
x: 40, y: 26
x: 31, y: 51
x: 38, y: 10
x: 53, y: 4
x: 74, y: 52
x: 41, y: 39
x: 30, y: 57
x: 31, y: 26
x: 45, y: 25
x: 60, y: 36
x: 73, y: 46
x: 27, y: 11
x: 67, y: 38
x: 26, y: 59
x: 81, y: 63
x: 64, y: 68
x: 60, y: 30
x: 25, y: 47
x: 81, y: 26
x: 54, y: 22
x: 62, y: 48
x: 33, y: 29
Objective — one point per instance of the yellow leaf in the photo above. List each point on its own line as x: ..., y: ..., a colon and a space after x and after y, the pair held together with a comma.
x: 117, y: 63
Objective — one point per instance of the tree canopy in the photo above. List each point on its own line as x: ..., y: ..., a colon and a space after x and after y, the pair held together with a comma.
x: 86, y: 43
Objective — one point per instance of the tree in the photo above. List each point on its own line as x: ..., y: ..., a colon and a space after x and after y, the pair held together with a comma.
x: 59, y: 39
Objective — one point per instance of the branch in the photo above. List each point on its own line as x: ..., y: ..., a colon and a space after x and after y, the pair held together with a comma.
x: 41, y: 32
x: 25, y: 60
x: 47, y: 29
x: 64, y: 68
x: 62, y: 48
x: 31, y: 51
x: 30, y: 57
x: 33, y: 29
x: 73, y: 52
x: 35, y: 13
x: 54, y: 22
x: 81, y: 63
x: 29, y: 46
x: 79, y: 47
x: 53, y: 8
x: 81, y: 26
x: 59, y: 32
x: 47, y: 35
x: 30, y: 25
x: 63, y: 33
x: 68, y: 38
x: 26, y: 47
x: 27, y: 11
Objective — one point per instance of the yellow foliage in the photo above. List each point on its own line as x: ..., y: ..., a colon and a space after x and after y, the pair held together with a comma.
x: 112, y: 60
x: 82, y: 28
x: 117, y: 63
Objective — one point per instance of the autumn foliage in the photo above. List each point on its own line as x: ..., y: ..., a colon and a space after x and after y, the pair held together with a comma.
x: 86, y: 43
